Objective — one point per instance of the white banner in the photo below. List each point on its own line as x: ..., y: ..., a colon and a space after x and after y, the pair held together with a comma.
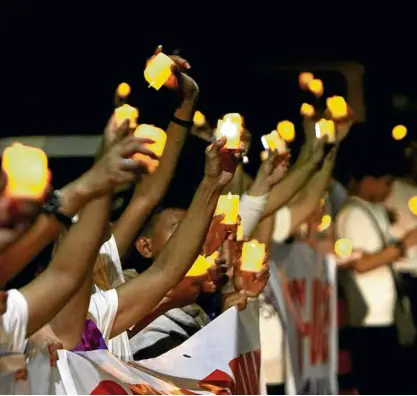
x: 222, y: 358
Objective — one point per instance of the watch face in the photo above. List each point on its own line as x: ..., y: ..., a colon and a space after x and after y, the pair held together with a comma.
x: 53, y: 204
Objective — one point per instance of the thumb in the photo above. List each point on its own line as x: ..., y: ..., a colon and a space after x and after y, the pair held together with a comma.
x: 217, y: 145
x: 158, y: 50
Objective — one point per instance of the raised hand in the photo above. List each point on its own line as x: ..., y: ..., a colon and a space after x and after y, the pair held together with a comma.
x: 216, y: 235
x: 251, y: 283
x: 179, y: 80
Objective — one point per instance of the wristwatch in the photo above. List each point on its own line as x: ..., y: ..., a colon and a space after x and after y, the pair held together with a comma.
x: 53, y: 205
x: 401, y: 247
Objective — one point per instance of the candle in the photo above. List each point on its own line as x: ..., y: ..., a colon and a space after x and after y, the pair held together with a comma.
x: 316, y: 87
x: 27, y: 172
x: 412, y: 205
x: 326, y: 128
x: 126, y: 112
x: 123, y: 90
x: 229, y: 206
x: 399, y: 132
x: 264, y: 155
x: 337, y: 107
x: 253, y: 254
x: 230, y: 130
x: 286, y: 130
x: 343, y: 248
x: 199, y: 118
x: 307, y: 110
x: 158, y: 70
x: 239, y: 232
x: 158, y: 136
x: 273, y: 142
x: 304, y: 78
x: 326, y: 220
x: 199, y: 268
x: 235, y: 118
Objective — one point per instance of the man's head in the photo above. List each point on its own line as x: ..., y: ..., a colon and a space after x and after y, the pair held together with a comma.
x: 158, y: 230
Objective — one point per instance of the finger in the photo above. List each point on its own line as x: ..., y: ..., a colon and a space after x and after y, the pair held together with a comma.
x: 220, y: 262
x: 158, y: 50
x: 133, y: 147
x: 122, y: 130
x: 181, y: 62
x: 217, y: 145
x: 217, y: 219
x: 209, y: 287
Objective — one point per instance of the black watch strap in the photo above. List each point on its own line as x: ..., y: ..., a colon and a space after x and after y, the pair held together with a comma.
x: 183, y: 123
x: 52, y: 206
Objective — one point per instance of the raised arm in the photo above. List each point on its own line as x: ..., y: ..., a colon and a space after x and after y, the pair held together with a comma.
x: 180, y: 252
x: 51, y: 291
x: 152, y: 188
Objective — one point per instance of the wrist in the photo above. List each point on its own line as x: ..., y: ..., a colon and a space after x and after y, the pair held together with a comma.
x: 259, y: 188
x: 185, y: 110
x: 74, y: 196
x: 212, y: 184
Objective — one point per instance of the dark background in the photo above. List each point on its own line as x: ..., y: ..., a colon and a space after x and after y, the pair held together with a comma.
x: 61, y: 62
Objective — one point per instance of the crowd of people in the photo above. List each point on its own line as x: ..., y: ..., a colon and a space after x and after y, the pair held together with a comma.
x: 84, y: 298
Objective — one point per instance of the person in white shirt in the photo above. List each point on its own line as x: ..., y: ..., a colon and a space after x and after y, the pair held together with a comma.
x: 371, y: 303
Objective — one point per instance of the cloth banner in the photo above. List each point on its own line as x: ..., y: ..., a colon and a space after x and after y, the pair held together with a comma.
x: 308, y: 311
x: 222, y: 358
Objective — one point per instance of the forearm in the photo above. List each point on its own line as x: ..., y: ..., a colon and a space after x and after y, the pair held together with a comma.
x: 51, y: 291
x: 372, y: 261
x: 288, y: 187
x: 171, y: 265
x: 45, y: 230
x: 150, y: 191
x: 263, y: 233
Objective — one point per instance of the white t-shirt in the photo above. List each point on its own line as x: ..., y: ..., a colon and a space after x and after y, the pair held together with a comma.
x: 103, y: 310
x: 282, y: 224
x: 13, y: 324
x: 377, y: 286
x: 109, y: 259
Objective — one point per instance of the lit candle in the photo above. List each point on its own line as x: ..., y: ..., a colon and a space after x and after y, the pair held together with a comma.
x: 199, y: 118
x: 126, y: 112
x: 199, y: 268
x: 27, y: 172
x: 230, y: 130
x: 316, y: 87
x: 253, y: 254
x: 158, y: 136
x: 326, y: 128
x: 123, y: 90
x: 326, y: 220
x: 337, y: 106
x: 229, y: 206
x: 235, y: 118
x: 343, y: 248
x: 273, y: 142
x: 307, y: 110
x: 158, y: 70
x: 399, y: 132
x: 304, y: 78
x: 286, y: 130
x: 412, y: 205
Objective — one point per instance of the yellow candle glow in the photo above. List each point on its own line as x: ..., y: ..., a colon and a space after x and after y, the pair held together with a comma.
x: 229, y: 206
x: 343, y: 247
x: 159, y: 136
x: 253, y: 254
x: 27, y: 172
x: 286, y: 130
x: 235, y: 118
x: 326, y: 128
x: 399, y: 132
x: 230, y: 130
x: 316, y: 87
x: 264, y: 155
x: 199, y: 118
x: 307, y: 110
x: 337, y: 106
x: 199, y: 268
x: 126, y: 112
x: 212, y: 258
x: 158, y: 70
x: 326, y: 220
x: 412, y: 205
x: 273, y: 142
x: 123, y: 90
x: 304, y: 78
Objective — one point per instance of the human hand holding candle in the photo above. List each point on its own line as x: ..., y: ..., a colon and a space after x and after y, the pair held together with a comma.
x: 159, y: 138
x: 273, y: 142
x: 27, y: 172
x: 326, y: 128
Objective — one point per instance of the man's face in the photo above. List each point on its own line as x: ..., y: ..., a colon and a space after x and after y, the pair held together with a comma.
x: 378, y: 188
x: 165, y: 227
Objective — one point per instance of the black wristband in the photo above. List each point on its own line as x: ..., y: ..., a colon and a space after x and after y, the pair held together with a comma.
x: 185, y: 124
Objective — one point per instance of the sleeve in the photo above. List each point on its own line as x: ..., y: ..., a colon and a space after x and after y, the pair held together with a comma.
x: 354, y: 224
x: 15, y: 321
x: 251, y: 210
x: 109, y: 254
x: 282, y: 226
x: 103, y: 310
